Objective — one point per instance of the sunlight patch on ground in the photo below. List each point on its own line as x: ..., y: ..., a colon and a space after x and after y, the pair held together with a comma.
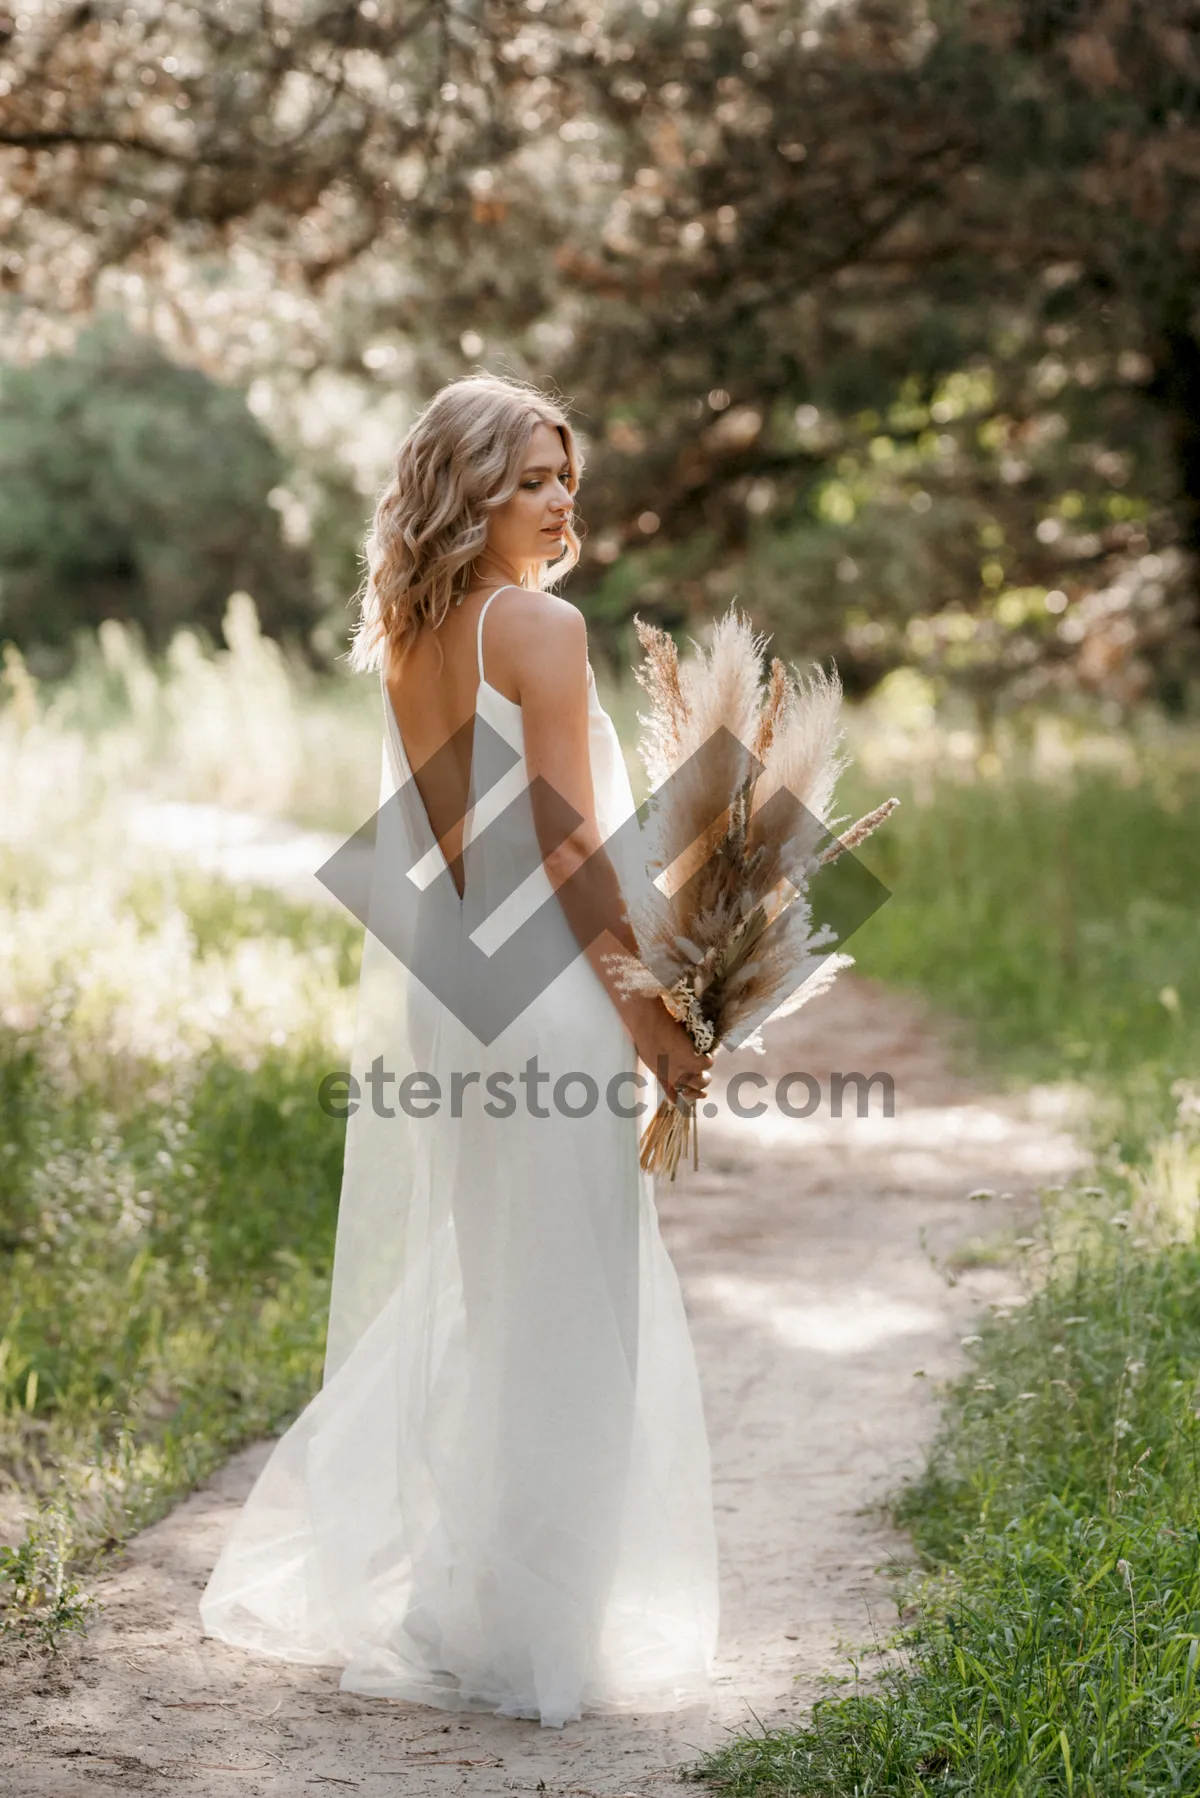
x: 238, y: 846
x: 917, y: 1139
x: 848, y: 1324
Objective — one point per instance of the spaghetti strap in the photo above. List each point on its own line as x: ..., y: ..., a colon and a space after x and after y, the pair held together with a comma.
x: 479, y: 633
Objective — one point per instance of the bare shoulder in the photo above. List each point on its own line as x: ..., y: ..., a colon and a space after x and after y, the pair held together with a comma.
x: 530, y: 611
x: 541, y: 636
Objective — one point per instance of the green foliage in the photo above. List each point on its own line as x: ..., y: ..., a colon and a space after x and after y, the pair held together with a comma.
x: 248, y: 726
x: 133, y: 488
x: 41, y: 1601
x: 1057, y: 917
x: 163, y: 1279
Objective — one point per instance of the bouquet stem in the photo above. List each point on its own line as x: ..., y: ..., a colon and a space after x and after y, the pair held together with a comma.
x: 666, y: 1140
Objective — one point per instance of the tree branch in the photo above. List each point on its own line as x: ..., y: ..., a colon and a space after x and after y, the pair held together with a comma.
x: 56, y: 140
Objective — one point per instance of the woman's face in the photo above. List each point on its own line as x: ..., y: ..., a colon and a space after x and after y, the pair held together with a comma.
x: 528, y: 528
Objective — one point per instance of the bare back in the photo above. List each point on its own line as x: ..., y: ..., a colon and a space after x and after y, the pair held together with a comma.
x: 433, y: 695
x: 532, y: 653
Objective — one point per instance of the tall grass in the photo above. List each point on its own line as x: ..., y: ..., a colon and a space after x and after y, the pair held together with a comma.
x: 242, y: 724
x: 1051, y: 905
x: 168, y: 1182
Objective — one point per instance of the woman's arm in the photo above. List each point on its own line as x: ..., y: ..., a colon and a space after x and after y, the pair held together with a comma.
x: 547, y: 642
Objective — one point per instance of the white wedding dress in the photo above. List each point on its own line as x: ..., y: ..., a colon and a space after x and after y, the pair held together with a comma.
x: 500, y: 1499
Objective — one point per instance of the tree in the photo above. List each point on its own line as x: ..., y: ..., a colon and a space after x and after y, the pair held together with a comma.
x: 942, y: 259
x: 322, y: 123
x: 131, y: 488
x: 886, y: 322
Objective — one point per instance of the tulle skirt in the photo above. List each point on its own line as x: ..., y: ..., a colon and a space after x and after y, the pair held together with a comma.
x: 501, y: 1498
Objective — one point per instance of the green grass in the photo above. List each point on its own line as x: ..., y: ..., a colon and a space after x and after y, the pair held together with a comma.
x: 166, y: 1218
x: 1051, y: 1644
x: 1056, y: 1649
x: 1058, y: 920
x: 168, y: 1182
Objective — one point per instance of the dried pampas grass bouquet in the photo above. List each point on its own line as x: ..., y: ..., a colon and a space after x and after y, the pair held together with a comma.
x: 743, y: 764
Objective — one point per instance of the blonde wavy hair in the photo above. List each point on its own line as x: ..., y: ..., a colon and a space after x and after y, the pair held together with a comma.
x: 459, y: 462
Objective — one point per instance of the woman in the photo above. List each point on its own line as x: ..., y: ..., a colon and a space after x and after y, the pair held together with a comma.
x: 500, y: 1499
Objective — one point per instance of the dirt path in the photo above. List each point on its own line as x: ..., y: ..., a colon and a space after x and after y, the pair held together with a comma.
x: 806, y: 1251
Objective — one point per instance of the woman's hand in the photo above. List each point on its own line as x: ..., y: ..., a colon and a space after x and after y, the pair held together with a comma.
x: 667, y: 1049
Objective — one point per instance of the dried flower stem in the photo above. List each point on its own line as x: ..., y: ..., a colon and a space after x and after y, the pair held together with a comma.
x: 666, y: 1138
x: 710, y: 938
x: 858, y: 833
